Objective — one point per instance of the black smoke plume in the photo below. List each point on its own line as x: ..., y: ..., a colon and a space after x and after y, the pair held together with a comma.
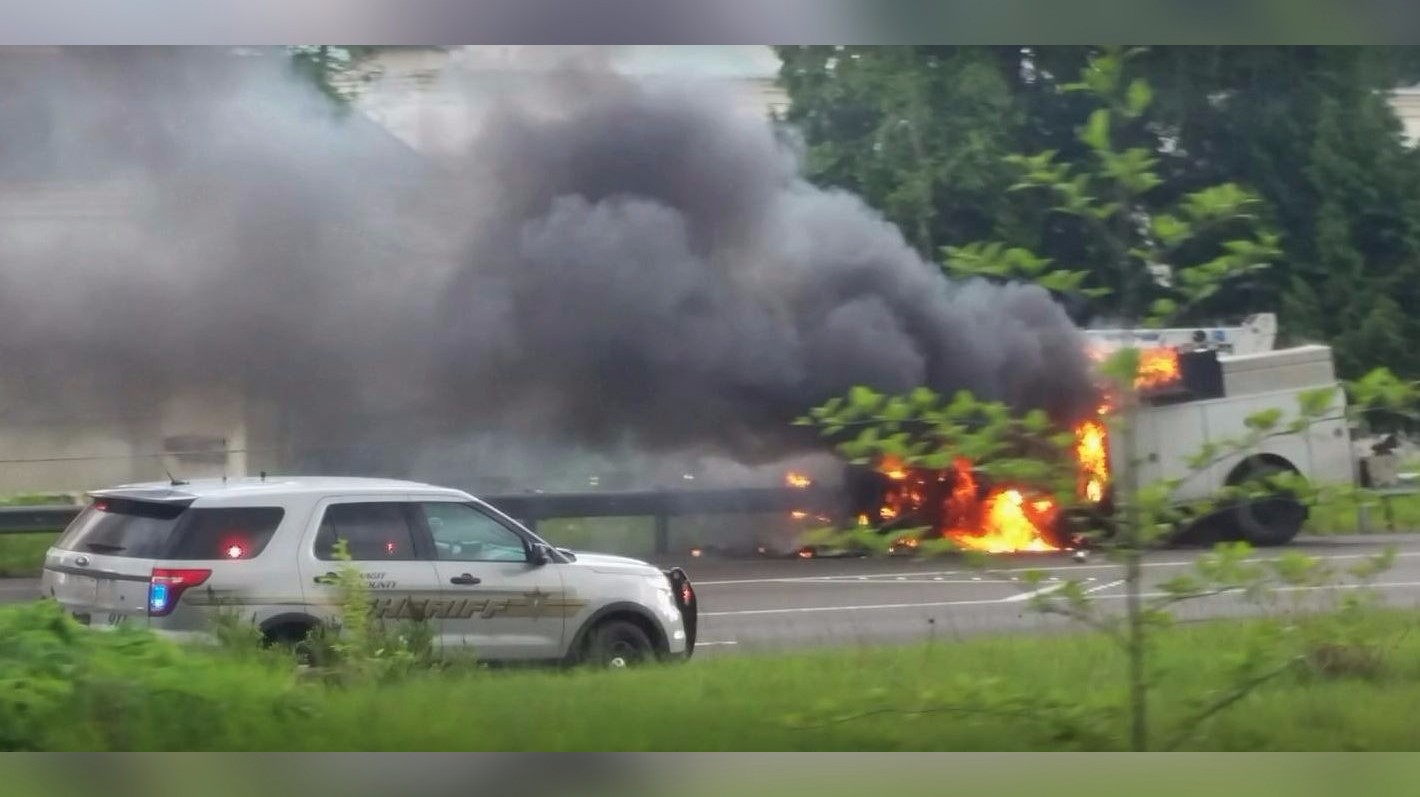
x: 607, y: 264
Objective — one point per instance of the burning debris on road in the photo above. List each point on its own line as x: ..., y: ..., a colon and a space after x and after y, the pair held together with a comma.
x: 958, y: 505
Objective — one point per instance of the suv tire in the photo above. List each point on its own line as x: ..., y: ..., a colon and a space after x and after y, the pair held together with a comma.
x: 298, y: 640
x: 618, y: 644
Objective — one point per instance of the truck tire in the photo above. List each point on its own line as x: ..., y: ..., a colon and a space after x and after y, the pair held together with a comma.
x: 1271, y: 521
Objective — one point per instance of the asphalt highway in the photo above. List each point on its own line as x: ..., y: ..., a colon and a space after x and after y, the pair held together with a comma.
x: 748, y: 606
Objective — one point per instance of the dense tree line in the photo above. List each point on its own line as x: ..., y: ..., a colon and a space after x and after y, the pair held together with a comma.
x: 926, y: 134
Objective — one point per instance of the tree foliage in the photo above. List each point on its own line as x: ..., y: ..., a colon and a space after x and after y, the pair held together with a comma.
x: 1168, y: 251
x: 329, y: 66
x: 1308, y: 129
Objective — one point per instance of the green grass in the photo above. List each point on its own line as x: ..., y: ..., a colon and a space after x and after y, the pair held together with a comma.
x: 80, y: 690
x: 626, y: 536
x: 36, y: 499
x: 23, y: 554
x: 1340, y: 516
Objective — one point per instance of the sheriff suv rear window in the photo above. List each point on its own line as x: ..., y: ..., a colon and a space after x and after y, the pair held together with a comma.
x: 151, y: 530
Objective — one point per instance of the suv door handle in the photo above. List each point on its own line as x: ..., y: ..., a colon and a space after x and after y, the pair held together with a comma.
x: 328, y: 578
x: 465, y: 580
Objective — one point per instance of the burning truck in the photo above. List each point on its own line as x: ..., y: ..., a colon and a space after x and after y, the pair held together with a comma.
x: 1196, y: 386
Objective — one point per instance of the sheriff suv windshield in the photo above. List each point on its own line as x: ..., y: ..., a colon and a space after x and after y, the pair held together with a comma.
x: 153, y: 530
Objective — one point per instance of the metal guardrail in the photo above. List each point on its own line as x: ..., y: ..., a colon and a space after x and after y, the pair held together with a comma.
x: 1384, y: 496
x: 531, y: 508
x: 31, y: 519
x: 662, y: 505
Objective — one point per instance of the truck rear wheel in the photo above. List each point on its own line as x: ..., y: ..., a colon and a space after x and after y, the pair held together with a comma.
x: 1271, y: 520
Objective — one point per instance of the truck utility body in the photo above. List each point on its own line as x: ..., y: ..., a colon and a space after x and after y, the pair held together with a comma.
x: 1227, y: 375
x: 1255, y: 335
x: 1169, y: 434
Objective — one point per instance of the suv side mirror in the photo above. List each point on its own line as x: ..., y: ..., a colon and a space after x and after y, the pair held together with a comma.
x: 540, y: 555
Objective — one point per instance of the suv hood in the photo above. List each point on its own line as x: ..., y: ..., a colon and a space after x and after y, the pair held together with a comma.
x: 606, y: 563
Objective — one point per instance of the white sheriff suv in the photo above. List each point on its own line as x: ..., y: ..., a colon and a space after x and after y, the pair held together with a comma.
x: 168, y: 556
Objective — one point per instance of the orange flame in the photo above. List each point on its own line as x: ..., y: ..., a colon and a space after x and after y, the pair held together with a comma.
x: 1004, y: 522
x: 797, y: 480
x: 1158, y: 368
x: 893, y: 468
x: 1011, y: 525
x: 1092, y: 452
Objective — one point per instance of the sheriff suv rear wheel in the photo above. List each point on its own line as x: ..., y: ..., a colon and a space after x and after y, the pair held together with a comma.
x: 617, y: 644
x: 297, y: 639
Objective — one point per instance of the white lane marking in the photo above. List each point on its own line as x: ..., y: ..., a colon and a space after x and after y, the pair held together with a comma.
x: 872, y: 578
x: 816, y: 609
x: 1103, y: 587
x: 715, y: 644
x: 1064, y: 565
x: 1008, y: 601
x: 937, y: 581
x: 1025, y: 596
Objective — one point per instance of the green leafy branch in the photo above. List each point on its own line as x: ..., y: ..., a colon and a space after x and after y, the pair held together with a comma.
x: 1113, y: 192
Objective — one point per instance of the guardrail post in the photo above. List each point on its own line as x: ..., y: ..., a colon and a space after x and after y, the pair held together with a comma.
x: 663, y: 533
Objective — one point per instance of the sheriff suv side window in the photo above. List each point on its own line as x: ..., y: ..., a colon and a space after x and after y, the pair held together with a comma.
x: 462, y: 533
x: 374, y: 532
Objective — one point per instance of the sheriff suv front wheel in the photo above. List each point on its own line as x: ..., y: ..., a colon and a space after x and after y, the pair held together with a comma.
x: 618, y: 644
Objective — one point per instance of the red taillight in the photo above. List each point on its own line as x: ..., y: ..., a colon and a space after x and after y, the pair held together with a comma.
x: 234, y: 546
x: 166, y: 586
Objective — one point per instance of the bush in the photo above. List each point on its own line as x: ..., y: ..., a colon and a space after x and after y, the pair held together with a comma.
x: 65, y: 687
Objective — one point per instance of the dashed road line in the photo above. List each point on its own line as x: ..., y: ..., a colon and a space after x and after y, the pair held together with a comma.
x: 1035, y: 593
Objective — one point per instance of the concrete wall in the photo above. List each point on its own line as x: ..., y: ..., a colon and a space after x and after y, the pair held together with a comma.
x: 431, y: 98
x: 191, y: 436
x: 1407, y: 106
x: 78, y: 441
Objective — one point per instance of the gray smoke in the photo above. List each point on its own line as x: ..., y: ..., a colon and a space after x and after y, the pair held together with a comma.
x: 608, y: 264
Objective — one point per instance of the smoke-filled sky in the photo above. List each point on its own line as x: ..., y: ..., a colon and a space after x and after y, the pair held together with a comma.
x: 607, y: 265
